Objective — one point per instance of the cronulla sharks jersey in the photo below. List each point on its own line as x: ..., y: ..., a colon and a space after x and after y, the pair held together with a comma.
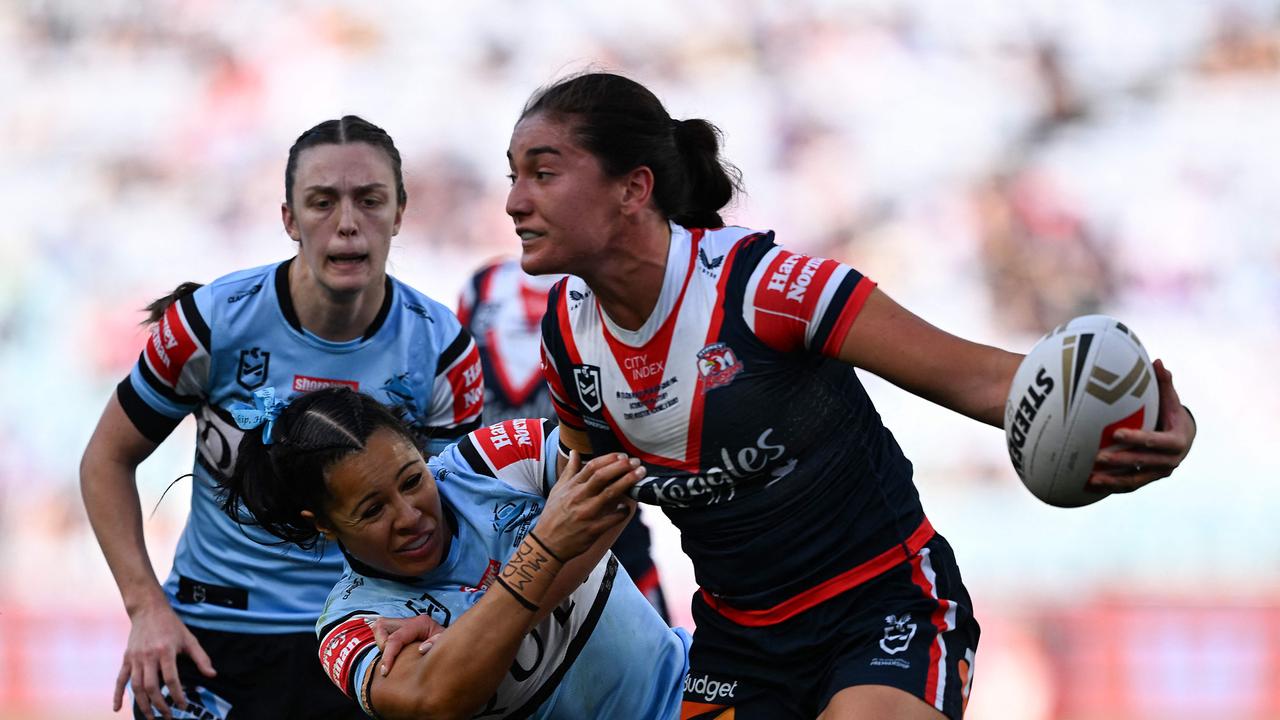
x: 751, y: 431
x: 502, y: 308
x: 603, y: 653
x: 212, y: 349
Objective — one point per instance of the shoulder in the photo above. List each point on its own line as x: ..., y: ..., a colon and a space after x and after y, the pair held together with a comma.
x: 422, y: 307
x: 513, y: 451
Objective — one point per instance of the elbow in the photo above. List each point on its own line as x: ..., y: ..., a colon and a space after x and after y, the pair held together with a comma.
x: 426, y: 703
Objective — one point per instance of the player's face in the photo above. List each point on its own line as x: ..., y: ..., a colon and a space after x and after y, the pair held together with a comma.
x: 564, y: 205
x: 385, y: 508
x: 344, y: 213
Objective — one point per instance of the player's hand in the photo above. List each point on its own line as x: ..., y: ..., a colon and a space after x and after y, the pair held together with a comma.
x: 587, y: 501
x: 150, y: 663
x: 393, y: 634
x: 1144, y: 457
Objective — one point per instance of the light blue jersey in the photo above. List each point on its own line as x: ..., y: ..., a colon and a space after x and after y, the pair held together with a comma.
x: 603, y: 653
x: 212, y: 349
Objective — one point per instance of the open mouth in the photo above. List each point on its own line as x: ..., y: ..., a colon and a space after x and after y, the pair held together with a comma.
x: 528, y: 235
x: 348, y: 259
x: 416, y: 545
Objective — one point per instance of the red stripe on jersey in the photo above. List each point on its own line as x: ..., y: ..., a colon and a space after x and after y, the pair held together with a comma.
x: 515, y: 395
x: 510, y: 441
x: 939, y: 620
x: 551, y: 372
x: 466, y: 378
x: 340, y: 646
x: 571, y: 349
x: 170, y: 346
x: 835, y: 341
x: 827, y: 589
x: 644, y: 366
x: 693, y: 444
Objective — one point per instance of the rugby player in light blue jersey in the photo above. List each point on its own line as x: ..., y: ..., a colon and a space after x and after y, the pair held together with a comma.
x: 230, y: 630
x: 539, y: 619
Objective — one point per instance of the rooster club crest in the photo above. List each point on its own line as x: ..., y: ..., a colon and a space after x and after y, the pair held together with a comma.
x: 587, y: 380
x: 717, y: 365
x: 898, y: 632
x: 252, y: 371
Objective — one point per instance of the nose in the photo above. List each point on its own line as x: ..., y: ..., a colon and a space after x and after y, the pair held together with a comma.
x: 519, y: 204
x: 347, y: 218
x: 407, y: 516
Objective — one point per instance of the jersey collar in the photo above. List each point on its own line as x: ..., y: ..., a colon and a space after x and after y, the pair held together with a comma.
x: 291, y: 314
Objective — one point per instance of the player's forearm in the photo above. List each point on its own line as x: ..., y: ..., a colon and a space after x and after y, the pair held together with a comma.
x: 470, y: 659
x: 115, y: 513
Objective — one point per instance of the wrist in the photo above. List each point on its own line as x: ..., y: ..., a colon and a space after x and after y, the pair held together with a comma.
x: 147, y: 602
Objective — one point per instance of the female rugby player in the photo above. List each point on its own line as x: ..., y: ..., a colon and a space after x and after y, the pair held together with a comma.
x: 539, y: 621
x: 330, y: 316
x: 726, y: 364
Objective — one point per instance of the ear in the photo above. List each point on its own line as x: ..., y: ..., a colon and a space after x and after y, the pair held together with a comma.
x: 321, y: 526
x: 637, y: 190
x: 291, y: 223
x: 395, y: 229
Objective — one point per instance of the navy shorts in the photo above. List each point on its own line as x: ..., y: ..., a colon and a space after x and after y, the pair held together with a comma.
x: 911, y: 628
x: 260, y: 677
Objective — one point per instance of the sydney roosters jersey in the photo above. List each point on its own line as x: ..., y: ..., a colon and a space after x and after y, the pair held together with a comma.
x: 602, y: 653
x: 502, y: 308
x: 761, y: 447
x: 215, y: 347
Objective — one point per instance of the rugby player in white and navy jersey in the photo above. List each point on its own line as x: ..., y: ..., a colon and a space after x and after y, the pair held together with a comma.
x: 726, y: 363
x: 502, y: 308
x: 229, y: 631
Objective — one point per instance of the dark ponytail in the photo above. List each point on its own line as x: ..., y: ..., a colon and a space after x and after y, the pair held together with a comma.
x: 155, y: 309
x: 625, y: 126
x: 276, y: 482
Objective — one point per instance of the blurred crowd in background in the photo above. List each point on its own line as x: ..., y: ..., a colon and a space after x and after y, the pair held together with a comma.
x: 997, y: 167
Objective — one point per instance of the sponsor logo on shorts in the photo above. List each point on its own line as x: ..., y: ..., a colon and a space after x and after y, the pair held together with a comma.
x: 895, y: 662
x: 202, y: 704
x: 305, y: 383
x: 898, y: 632
x: 704, y: 687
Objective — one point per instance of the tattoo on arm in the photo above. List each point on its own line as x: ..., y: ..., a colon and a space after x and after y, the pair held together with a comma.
x: 525, y: 564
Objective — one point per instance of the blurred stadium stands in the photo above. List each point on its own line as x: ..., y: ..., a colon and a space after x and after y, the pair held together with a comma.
x: 998, y: 167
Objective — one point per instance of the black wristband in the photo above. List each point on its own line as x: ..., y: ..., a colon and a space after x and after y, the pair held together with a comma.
x: 565, y: 450
x: 550, y: 552
x: 519, y: 598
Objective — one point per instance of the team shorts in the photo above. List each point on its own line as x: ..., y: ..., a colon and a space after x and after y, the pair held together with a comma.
x: 911, y: 628
x: 260, y: 677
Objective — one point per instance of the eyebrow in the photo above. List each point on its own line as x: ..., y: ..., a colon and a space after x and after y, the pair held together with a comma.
x: 371, y: 493
x: 359, y: 189
x: 539, y: 150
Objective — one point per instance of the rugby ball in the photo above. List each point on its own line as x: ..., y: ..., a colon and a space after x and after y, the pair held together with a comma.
x: 1077, y: 386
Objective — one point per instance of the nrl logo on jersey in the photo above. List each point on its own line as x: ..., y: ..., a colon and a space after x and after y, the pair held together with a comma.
x: 587, y: 380
x: 717, y: 365
x: 251, y: 373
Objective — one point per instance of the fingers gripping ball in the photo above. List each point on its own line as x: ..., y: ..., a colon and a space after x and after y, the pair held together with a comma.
x: 1077, y: 386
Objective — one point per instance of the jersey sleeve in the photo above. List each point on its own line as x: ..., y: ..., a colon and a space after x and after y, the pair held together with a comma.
x: 555, y: 358
x: 795, y: 302
x: 170, y: 379
x: 513, y: 451
x: 348, y: 651
x: 457, y: 394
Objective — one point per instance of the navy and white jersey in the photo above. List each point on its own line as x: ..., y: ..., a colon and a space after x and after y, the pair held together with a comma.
x: 762, y: 448
x: 212, y: 349
x: 603, y: 652
x: 502, y: 308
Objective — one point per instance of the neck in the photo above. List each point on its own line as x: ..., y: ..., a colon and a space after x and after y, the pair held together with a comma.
x: 334, y: 316
x: 629, y: 283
